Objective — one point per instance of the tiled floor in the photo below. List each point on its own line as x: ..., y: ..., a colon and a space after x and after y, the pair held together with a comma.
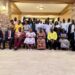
x: 35, y: 62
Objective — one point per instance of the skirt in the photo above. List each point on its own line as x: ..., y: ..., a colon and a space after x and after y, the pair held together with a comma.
x: 41, y: 44
x: 29, y: 41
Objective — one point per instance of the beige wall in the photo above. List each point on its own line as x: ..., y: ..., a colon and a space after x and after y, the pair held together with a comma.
x: 66, y: 15
x: 42, y: 17
x: 16, y: 15
x: 73, y: 11
x: 70, y: 13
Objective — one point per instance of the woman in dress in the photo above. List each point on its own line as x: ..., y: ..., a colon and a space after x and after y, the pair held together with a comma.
x: 30, y: 39
x: 18, y: 39
x: 41, y: 36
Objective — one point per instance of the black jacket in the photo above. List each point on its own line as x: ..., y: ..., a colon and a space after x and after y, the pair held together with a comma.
x: 6, y: 34
x: 1, y: 34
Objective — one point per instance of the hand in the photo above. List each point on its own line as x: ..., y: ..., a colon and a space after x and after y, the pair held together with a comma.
x: 9, y: 37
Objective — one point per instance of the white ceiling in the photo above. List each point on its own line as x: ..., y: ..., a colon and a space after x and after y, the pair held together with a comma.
x: 37, y: 7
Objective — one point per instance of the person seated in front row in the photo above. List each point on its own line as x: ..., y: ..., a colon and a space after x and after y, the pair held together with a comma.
x: 41, y: 39
x: 52, y: 39
x: 18, y: 39
x: 64, y: 42
x: 30, y: 39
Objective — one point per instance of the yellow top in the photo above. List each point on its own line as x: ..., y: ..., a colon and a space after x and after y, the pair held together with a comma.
x: 17, y: 27
x: 52, y: 36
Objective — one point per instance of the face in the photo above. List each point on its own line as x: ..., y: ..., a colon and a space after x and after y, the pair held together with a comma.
x: 63, y: 20
x: 15, y: 19
x: 58, y: 19
x: 68, y: 20
x: 30, y: 30
x: 51, y: 30
x: 19, y: 22
x: 40, y: 30
x: 26, y: 23
x: 19, y: 29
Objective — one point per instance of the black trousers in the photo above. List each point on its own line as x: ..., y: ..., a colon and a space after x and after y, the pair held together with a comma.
x: 73, y: 44
x: 52, y: 45
x: 9, y: 41
x: 1, y: 42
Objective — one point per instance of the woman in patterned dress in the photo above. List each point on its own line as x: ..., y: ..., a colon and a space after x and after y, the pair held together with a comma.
x: 41, y: 39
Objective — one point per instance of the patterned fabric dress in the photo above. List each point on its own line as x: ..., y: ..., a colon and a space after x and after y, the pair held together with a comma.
x: 41, y: 43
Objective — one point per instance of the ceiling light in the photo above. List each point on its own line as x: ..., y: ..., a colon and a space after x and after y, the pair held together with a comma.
x: 41, y: 8
x: 3, y: 7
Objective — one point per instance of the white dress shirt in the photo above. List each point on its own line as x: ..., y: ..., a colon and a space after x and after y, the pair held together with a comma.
x: 58, y: 26
x: 72, y: 28
x: 64, y: 26
x: 47, y: 27
x: 37, y: 26
x: 9, y: 34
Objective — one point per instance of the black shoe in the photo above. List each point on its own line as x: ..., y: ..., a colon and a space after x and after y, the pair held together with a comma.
x: 15, y: 48
x: 10, y: 48
x: 3, y: 48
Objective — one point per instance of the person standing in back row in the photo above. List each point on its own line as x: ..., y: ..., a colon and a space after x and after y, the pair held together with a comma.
x: 9, y: 38
x: 71, y: 31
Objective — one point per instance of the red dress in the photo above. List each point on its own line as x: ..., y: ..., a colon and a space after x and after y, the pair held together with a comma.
x: 18, y: 39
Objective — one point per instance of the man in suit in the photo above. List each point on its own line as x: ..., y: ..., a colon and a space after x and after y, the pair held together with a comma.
x: 73, y: 40
x: 71, y: 31
x: 9, y: 37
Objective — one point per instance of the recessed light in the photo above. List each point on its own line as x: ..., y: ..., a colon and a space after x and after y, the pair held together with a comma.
x: 41, y: 8
x: 3, y: 7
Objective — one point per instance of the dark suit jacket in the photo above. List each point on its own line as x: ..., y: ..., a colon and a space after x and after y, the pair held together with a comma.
x: 6, y: 35
x: 72, y: 36
x: 1, y: 34
x: 69, y: 31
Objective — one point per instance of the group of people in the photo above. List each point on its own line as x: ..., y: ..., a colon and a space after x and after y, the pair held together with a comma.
x: 35, y: 34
